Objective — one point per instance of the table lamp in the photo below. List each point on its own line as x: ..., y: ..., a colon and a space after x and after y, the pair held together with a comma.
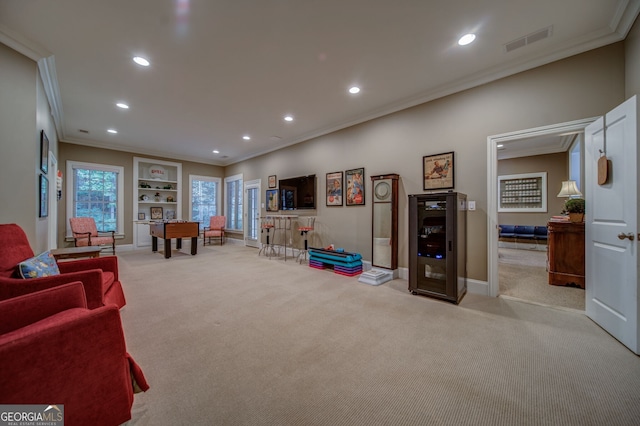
x: 569, y: 189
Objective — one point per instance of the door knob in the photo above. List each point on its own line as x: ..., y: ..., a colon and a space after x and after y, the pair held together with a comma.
x: 622, y: 236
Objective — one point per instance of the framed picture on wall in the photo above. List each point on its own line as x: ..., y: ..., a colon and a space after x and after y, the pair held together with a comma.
x: 272, y: 181
x: 44, y: 196
x: 334, y: 189
x: 355, y: 187
x: 44, y: 152
x: 141, y: 216
x: 438, y: 171
x: 272, y: 200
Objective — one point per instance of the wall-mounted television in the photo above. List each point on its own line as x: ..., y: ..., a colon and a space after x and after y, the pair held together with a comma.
x: 298, y: 193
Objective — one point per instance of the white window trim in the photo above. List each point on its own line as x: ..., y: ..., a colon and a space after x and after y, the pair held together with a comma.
x: 226, y: 180
x: 104, y: 167
x: 206, y: 179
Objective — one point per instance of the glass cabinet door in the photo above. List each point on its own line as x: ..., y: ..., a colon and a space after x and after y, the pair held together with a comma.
x: 432, y: 245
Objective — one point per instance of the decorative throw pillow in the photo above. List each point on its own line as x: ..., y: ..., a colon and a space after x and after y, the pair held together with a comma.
x: 43, y: 265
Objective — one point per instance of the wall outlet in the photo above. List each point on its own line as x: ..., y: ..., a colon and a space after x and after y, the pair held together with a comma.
x: 472, y: 205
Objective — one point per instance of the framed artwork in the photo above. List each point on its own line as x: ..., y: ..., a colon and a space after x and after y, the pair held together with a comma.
x: 272, y: 200
x: 334, y: 189
x: 272, y: 181
x: 526, y: 192
x: 156, y: 213
x: 44, y: 152
x: 141, y: 216
x: 438, y: 171
x: 355, y: 187
x: 44, y: 196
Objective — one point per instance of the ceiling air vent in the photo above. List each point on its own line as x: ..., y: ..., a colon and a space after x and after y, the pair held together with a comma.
x: 528, y: 39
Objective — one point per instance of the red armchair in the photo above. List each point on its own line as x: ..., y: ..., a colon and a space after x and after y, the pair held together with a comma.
x: 85, y: 233
x: 215, y: 229
x: 98, y: 275
x: 53, y: 350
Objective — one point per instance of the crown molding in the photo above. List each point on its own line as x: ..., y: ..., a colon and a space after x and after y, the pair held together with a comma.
x: 46, y: 67
x: 23, y: 45
x: 142, y: 151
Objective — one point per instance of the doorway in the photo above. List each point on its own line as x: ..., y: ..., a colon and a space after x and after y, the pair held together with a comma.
x: 252, y: 213
x: 526, y: 141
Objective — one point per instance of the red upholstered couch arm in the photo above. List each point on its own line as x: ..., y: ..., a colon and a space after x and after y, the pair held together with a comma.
x: 76, y: 357
x: 91, y: 280
x: 106, y: 263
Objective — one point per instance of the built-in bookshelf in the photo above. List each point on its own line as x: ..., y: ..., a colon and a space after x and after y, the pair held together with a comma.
x: 157, y: 195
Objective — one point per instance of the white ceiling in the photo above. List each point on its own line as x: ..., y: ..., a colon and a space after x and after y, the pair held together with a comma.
x: 222, y: 69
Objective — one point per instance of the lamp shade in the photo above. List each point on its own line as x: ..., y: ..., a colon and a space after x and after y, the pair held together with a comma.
x: 569, y: 189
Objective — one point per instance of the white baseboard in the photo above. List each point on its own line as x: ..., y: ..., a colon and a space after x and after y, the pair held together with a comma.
x: 478, y: 287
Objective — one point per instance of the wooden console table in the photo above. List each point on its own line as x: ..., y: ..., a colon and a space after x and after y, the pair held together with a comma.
x: 177, y: 230
x: 75, y: 252
x: 566, y: 253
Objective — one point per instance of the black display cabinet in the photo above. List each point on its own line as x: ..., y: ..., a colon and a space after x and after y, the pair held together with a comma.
x: 438, y: 245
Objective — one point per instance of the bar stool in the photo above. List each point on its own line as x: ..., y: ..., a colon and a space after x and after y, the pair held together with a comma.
x: 305, y: 224
x: 267, y: 223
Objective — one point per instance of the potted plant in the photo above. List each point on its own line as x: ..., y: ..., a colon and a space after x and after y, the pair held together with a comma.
x: 575, y: 208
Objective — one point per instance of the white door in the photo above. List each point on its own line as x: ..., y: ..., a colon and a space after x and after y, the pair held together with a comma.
x: 612, y: 224
x: 252, y: 213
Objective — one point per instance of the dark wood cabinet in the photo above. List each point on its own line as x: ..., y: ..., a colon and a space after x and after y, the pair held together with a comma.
x: 566, y: 253
x: 438, y: 245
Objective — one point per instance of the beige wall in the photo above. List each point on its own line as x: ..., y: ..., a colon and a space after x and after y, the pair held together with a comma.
x: 88, y: 154
x: 24, y: 111
x: 632, y: 61
x: 582, y: 86
x: 556, y: 166
x: 585, y: 85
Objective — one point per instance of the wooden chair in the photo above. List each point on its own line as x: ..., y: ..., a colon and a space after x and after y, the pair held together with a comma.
x: 215, y: 229
x: 85, y: 233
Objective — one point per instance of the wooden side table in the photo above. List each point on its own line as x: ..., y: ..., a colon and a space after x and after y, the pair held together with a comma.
x: 75, y: 252
x: 566, y: 253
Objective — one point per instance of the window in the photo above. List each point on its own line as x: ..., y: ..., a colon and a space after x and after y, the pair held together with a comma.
x: 233, y: 202
x: 96, y: 190
x: 204, y: 196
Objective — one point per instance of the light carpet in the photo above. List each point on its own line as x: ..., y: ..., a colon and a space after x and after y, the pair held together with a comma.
x: 523, y: 275
x: 229, y: 338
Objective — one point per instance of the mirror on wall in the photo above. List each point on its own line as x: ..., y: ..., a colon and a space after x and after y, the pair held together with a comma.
x: 385, y: 221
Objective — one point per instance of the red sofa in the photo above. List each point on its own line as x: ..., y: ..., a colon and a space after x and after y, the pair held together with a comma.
x: 98, y: 275
x: 54, y: 350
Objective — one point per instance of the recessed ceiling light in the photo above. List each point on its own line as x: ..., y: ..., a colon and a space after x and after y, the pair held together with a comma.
x: 122, y: 105
x: 215, y: 151
x: 354, y: 90
x: 466, y: 39
x: 141, y: 61
x: 288, y: 118
x: 114, y: 131
x: 246, y: 137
